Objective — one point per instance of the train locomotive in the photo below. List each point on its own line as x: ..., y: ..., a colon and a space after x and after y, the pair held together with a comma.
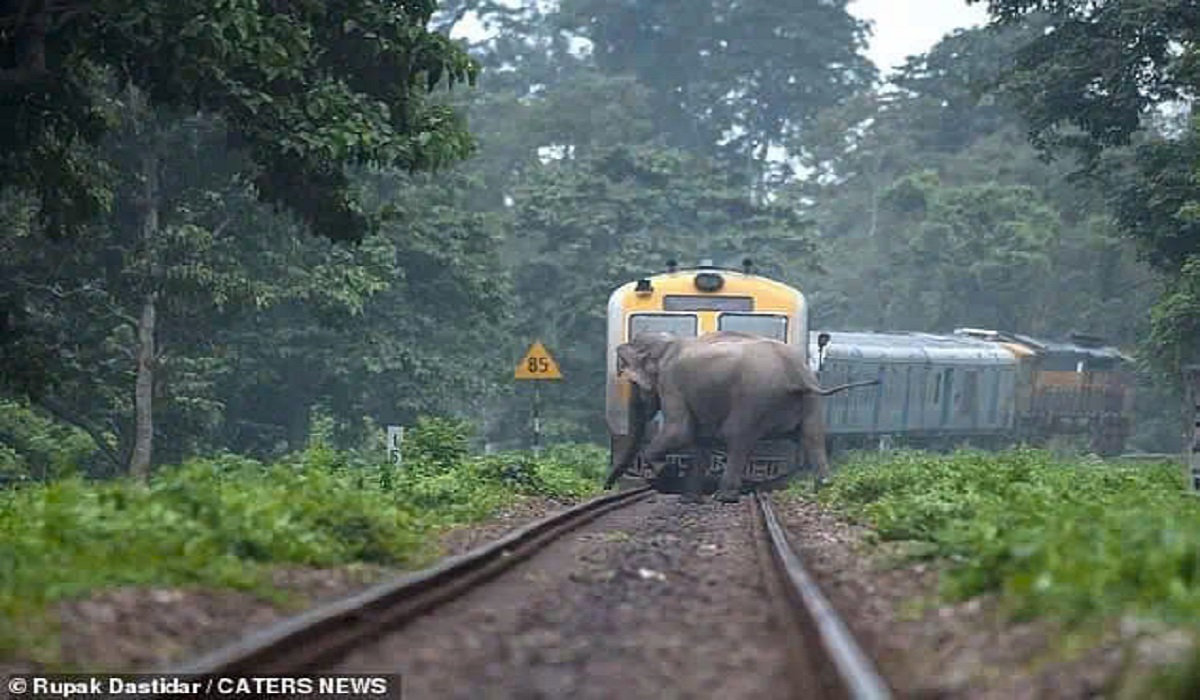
x: 974, y: 387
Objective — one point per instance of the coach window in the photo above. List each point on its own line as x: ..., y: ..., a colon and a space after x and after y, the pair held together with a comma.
x: 679, y: 324
x: 766, y: 325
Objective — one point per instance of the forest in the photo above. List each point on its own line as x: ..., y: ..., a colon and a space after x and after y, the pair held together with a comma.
x: 228, y: 221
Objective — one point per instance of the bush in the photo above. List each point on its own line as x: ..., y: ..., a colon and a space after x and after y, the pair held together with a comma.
x: 1076, y: 540
x: 33, y: 447
x: 436, y: 445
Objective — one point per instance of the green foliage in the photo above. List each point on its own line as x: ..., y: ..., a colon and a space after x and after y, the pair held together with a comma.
x: 305, y: 89
x: 729, y: 78
x: 1077, y: 540
x: 436, y: 445
x: 587, y: 460
x: 1102, y: 83
x: 978, y: 253
x: 34, y: 447
x: 224, y: 521
x: 1175, y: 321
x: 934, y: 212
x: 1083, y: 83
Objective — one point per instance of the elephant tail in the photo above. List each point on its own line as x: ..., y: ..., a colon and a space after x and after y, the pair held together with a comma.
x: 851, y: 385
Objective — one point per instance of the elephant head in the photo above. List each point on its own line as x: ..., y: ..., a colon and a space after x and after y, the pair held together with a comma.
x: 639, y: 363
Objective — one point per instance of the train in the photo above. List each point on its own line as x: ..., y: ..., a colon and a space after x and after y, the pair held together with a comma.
x: 971, y: 387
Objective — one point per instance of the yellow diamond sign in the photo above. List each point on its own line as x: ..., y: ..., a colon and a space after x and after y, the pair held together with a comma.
x: 537, y: 364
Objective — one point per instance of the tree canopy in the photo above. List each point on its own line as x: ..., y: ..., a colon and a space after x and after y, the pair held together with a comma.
x: 305, y: 88
x: 1112, y: 83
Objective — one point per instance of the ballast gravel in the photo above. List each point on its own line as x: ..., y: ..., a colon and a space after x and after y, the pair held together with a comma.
x: 659, y: 600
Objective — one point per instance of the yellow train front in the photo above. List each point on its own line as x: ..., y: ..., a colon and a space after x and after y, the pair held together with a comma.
x: 690, y: 303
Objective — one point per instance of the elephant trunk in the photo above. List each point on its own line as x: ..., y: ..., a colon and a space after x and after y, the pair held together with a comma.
x: 642, y: 410
x: 621, y: 462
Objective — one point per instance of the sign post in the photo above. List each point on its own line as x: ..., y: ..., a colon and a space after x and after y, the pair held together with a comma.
x: 1191, y: 375
x: 395, y: 439
x: 537, y: 365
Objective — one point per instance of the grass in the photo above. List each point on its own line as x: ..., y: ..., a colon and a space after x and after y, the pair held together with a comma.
x: 226, y: 521
x: 1078, y: 541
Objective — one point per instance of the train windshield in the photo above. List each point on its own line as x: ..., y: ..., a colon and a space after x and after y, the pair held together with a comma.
x: 771, y: 326
x: 679, y: 324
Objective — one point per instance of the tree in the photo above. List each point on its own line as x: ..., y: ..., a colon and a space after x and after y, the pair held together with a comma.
x: 1098, y: 67
x: 1094, y: 85
x: 162, y: 265
x: 729, y: 79
x: 418, y: 332
x: 304, y: 88
x: 592, y: 223
x: 976, y: 255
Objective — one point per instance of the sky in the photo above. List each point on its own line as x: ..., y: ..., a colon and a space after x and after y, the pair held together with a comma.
x: 904, y: 28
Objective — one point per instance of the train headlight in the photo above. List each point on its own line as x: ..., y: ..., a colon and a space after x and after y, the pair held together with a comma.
x: 709, y: 281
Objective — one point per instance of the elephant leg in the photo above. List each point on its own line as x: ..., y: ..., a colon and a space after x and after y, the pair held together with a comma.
x: 812, y: 436
x: 730, y: 490
x: 694, y: 484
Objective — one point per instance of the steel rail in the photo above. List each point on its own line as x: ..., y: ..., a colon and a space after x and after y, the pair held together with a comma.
x: 301, y: 644
x: 855, y: 674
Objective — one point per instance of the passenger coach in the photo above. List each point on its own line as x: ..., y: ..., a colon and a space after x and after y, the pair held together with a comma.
x: 934, y: 390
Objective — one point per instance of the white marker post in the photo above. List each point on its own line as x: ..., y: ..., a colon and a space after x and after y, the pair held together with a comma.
x: 1191, y: 374
x: 537, y: 365
x: 395, y: 441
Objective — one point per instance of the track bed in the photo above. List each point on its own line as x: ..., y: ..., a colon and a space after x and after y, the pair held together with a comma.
x: 658, y: 600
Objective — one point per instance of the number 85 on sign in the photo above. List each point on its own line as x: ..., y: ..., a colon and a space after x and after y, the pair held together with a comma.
x: 537, y: 364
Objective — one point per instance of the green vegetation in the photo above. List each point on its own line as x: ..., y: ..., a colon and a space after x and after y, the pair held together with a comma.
x: 1071, y: 539
x: 224, y: 521
x: 1081, y: 542
x: 1084, y: 91
x: 35, y: 447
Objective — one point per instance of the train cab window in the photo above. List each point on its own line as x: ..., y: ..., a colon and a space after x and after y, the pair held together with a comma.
x: 679, y: 324
x: 767, y: 325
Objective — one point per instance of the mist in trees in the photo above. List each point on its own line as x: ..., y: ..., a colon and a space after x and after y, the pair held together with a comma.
x: 299, y: 220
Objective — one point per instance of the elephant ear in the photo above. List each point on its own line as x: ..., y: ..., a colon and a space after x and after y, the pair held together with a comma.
x: 631, y: 365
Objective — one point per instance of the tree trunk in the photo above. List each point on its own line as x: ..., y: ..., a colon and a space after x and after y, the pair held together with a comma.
x: 143, y: 446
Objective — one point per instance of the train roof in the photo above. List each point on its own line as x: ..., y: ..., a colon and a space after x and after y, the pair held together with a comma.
x: 746, y: 271
x: 913, y: 347
x: 770, y: 294
x: 1082, y: 344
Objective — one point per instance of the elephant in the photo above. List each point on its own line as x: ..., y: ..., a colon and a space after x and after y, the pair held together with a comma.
x: 731, y: 386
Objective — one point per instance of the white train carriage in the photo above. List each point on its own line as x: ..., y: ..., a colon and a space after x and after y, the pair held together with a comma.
x: 932, y: 387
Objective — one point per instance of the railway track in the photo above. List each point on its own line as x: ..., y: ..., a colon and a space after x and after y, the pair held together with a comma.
x: 305, y: 643
x: 837, y: 666
x: 824, y: 657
